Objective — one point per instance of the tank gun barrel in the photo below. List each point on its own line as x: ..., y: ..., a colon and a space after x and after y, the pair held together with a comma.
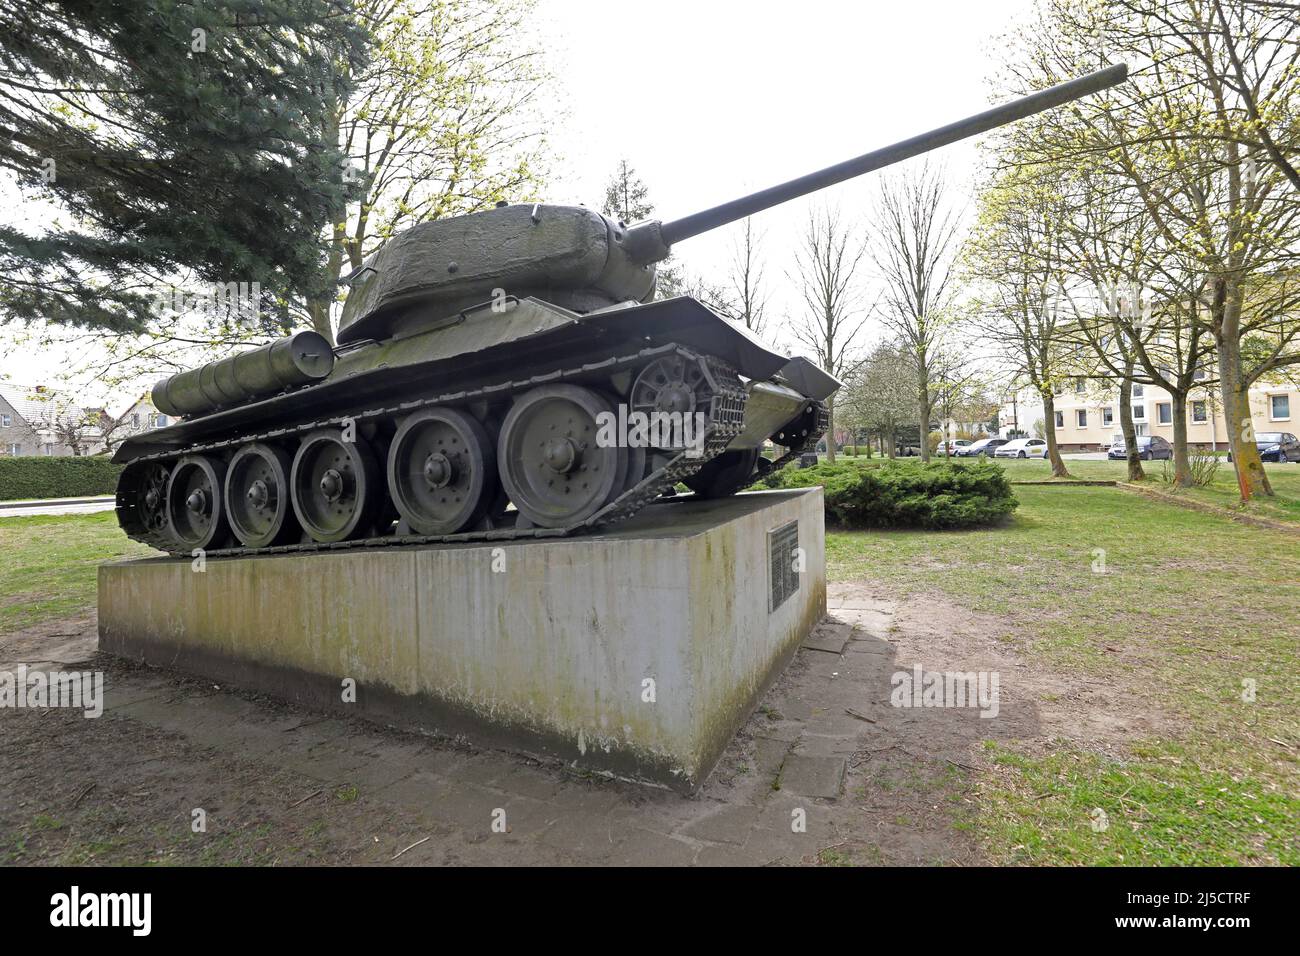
x: 651, y: 241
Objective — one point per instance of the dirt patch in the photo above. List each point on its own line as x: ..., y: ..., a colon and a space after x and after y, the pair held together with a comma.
x: 63, y: 641
x: 1093, y: 713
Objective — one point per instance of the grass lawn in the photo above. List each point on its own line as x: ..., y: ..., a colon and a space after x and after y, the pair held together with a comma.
x: 1222, y: 491
x: 1189, y: 606
x: 48, y: 565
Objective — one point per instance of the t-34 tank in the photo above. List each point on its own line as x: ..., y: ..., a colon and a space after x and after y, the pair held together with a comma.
x: 498, y: 375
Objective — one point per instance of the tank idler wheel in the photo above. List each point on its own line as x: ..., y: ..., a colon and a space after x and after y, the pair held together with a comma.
x: 196, y: 513
x: 552, y: 466
x: 334, y: 486
x: 668, y: 385
x: 142, y: 499
x: 442, y: 471
x: 730, y: 472
x: 257, y: 496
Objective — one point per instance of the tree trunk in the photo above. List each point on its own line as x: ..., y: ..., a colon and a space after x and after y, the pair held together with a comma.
x: 923, y: 408
x: 892, y: 448
x: 830, y: 429
x: 1225, y: 315
x: 1182, y: 466
x: 1135, y: 472
x: 320, y: 319
x: 1049, y: 427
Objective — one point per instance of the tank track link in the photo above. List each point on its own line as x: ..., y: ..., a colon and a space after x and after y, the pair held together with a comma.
x: 726, y: 414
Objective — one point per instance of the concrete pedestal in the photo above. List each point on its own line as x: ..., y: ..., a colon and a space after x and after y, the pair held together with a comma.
x: 638, y: 652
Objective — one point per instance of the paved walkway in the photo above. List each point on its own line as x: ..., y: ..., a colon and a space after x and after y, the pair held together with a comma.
x: 56, y: 506
x: 778, y: 794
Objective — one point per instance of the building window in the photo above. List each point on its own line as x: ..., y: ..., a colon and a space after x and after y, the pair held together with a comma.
x: 1081, y: 417
x: 1060, y: 419
x: 1164, y: 412
x: 1079, y: 386
x: 1137, y: 391
x: 162, y: 421
x: 1200, y: 375
x: 1108, y: 416
x: 1279, y: 407
x: 135, y: 419
x: 1140, y: 412
x: 1198, y: 412
x: 5, y: 421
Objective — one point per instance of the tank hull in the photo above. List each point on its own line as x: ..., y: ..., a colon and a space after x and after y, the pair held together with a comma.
x: 477, y: 364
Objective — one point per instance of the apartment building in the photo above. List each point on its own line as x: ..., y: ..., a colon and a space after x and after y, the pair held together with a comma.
x: 1087, y: 418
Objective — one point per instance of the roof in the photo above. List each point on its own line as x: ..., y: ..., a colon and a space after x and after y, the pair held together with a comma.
x: 40, y: 411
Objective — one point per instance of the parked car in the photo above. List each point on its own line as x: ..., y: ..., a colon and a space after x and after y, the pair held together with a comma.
x: 985, y: 446
x: 1022, y: 448
x: 952, y: 446
x: 1276, y: 446
x: 1150, y: 447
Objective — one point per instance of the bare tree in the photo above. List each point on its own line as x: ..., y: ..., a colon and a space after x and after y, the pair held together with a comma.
x: 826, y: 271
x: 1108, y: 239
x: 915, y: 246
x: 748, y: 293
x: 1016, y: 252
x: 958, y: 387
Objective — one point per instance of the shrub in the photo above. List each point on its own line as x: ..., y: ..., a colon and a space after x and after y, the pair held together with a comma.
x: 1201, y: 468
x: 893, y: 494
x: 56, y: 477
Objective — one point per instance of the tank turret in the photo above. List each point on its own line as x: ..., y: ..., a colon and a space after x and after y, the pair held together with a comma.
x: 499, y: 375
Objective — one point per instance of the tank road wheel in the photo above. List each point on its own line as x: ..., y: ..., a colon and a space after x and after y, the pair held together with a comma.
x: 668, y: 384
x: 334, y: 486
x: 196, y: 514
x: 550, y: 464
x: 142, y: 501
x: 257, y: 496
x: 725, y: 475
x: 441, y: 471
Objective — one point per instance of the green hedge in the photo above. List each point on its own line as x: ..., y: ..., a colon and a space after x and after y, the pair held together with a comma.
x: 899, y: 494
x: 57, y: 477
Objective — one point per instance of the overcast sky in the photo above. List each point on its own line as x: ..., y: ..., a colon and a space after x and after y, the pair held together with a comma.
x: 709, y: 99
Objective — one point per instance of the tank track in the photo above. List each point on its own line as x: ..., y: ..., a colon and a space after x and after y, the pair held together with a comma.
x: 725, y: 407
x: 808, y: 444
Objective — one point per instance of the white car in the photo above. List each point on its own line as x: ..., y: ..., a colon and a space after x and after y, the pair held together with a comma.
x: 1022, y: 448
x: 951, y: 446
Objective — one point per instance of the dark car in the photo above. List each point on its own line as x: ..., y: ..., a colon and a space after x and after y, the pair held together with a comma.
x: 1150, y: 447
x: 984, y: 446
x: 1276, y: 446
